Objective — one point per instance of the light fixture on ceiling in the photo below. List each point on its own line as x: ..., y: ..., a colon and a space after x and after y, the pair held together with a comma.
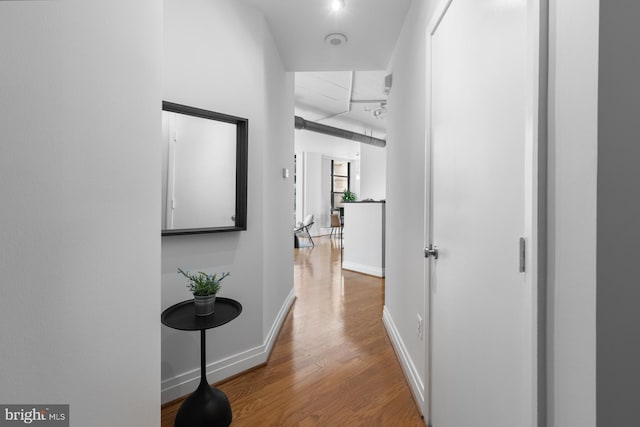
x: 335, y: 39
x: 337, y: 5
x: 379, y: 113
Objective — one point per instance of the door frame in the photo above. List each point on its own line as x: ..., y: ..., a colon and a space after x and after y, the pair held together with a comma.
x: 535, y: 201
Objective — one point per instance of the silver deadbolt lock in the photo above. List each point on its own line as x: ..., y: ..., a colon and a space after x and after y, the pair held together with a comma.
x: 431, y: 251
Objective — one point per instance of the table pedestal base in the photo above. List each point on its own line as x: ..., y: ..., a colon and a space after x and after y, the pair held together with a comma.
x: 206, y: 407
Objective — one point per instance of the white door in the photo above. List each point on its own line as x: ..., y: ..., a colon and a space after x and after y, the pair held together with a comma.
x: 481, y: 130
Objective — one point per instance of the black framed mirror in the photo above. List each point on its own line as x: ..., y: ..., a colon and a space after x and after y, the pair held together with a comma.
x: 204, y: 171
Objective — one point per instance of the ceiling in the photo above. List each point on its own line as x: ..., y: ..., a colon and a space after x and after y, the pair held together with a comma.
x: 331, y: 81
x: 299, y: 28
x: 354, y: 100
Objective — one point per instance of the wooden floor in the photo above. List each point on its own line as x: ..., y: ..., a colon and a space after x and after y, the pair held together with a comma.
x: 333, y: 364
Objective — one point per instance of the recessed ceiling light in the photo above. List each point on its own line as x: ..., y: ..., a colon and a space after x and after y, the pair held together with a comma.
x: 335, y: 39
x: 336, y: 5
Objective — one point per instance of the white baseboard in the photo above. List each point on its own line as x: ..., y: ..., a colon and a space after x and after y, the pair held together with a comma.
x: 408, y: 367
x: 361, y: 268
x: 272, y: 336
x: 219, y: 370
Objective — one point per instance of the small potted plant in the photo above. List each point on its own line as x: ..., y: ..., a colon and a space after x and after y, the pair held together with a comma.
x: 204, y: 288
x: 349, y: 196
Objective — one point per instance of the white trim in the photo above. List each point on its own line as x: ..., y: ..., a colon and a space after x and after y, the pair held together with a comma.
x: 536, y: 106
x: 361, y: 268
x: 272, y: 336
x: 432, y: 26
x: 408, y: 367
x: 219, y: 370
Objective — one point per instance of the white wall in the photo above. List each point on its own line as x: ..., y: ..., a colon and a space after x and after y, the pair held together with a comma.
x: 373, y: 172
x: 314, y: 142
x: 366, y: 160
x: 314, y: 152
x: 405, y: 210
x: 572, y: 191
x: 278, y: 203
x: 310, y: 182
x: 219, y: 55
x: 364, y: 238
x: 80, y: 252
x: 618, y: 317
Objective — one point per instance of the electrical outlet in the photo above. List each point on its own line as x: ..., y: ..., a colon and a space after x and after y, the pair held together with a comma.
x: 420, y: 329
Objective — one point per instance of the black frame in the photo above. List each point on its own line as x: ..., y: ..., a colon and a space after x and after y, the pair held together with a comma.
x: 348, y: 176
x: 242, y: 166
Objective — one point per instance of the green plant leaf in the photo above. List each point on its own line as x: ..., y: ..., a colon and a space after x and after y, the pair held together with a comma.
x: 203, y: 284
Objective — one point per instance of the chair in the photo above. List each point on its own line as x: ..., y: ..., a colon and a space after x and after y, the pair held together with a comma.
x: 336, y: 224
x: 303, y: 228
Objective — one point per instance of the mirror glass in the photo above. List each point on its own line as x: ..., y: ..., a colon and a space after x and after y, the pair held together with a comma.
x: 204, y: 171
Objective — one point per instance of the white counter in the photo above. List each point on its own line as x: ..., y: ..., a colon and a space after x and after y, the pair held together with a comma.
x: 364, y: 237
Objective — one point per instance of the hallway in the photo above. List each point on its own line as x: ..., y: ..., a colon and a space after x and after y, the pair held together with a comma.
x: 333, y: 364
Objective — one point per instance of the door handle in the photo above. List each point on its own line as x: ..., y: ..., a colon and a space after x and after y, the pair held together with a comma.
x: 431, y: 251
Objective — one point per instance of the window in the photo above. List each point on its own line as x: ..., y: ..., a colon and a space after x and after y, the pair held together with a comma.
x: 340, y: 180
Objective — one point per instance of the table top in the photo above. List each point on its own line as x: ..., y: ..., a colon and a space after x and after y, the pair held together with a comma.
x: 182, y: 316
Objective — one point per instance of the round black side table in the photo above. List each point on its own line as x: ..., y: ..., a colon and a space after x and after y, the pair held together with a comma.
x: 207, y: 406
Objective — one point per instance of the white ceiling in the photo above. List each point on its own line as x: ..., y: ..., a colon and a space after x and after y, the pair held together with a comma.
x: 300, y: 26
x: 325, y: 78
x: 343, y: 99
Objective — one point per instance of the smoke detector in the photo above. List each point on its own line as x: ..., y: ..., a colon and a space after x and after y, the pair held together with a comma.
x: 335, y: 39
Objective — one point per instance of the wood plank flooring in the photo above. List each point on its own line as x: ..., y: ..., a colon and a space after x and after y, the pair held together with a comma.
x: 333, y: 364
